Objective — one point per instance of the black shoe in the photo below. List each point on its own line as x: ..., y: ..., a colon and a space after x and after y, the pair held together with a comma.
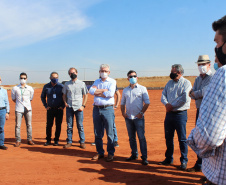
x: 47, y: 143
x: 3, y: 147
x: 165, y: 162
x: 183, y: 166
x: 116, y: 144
x: 194, y: 169
x: 144, y: 162
x: 55, y: 143
x: 131, y: 158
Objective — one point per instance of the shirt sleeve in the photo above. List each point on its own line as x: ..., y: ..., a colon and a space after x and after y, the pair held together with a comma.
x: 210, y: 130
x: 31, y: 93
x: 111, y: 90
x: 184, y: 97
x: 92, y: 90
x: 43, y: 97
x: 145, y: 96
x: 13, y: 94
x: 123, y: 100
x: 6, y: 102
x: 164, y: 95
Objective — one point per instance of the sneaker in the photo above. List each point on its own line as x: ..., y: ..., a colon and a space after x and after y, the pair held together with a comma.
x: 116, y: 144
x: 55, y: 143
x: 165, y: 162
x: 67, y: 145
x: 110, y: 158
x: 93, y: 144
x: 144, y: 162
x: 131, y: 158
x: 183, y: 166
x: 82, y: 145
x: 97, y: 156
x: 47, y: 143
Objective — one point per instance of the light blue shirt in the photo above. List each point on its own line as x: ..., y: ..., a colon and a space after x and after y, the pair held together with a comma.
x: 208, y: 138
x: 110, y: 85
x: 4, y: 102
x: 177, y: 94
x: 134, y: 99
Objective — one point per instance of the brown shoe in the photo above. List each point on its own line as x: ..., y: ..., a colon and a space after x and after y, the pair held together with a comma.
x: 67, y: 145
x: 82, y: 145
x: 30, y: 142
x: 97, y: 156
x: 17, y: 144
x: 110, y: 158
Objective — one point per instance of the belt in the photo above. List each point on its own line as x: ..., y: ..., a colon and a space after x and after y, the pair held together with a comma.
x: 1, y: 108
x: 54, y: 107
x: 102, y: 106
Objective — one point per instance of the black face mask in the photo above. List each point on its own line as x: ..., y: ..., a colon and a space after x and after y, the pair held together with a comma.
x: 173, y: 75
x: 73, y: 76
x: 220, y: 55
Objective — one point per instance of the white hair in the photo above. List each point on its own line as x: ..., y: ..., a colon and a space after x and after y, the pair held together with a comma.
x: 104, y: 66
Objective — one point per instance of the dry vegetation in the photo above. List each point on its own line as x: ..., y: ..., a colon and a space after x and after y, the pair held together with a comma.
x: 151, y: 82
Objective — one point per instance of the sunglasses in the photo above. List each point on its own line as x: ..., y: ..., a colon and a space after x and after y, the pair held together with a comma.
x: 133, y: 76
x: 23, y: 78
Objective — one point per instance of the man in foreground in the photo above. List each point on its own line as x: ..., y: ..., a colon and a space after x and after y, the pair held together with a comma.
x: 208, y: 138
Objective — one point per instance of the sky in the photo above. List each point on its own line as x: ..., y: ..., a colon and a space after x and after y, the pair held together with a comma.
x: 148, y: 36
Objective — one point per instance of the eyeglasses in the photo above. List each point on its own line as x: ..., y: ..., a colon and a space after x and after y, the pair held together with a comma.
x: 23, y: 78
x: 133, y: 76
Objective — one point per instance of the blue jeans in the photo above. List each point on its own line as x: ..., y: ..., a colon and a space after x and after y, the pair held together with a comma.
x: 28, y: 116
x: 2, y: 124
x: 104, y: 118
x: 115, y: 132
x: 176, y: 121
x: 133, y: 126
x: 70, y: 113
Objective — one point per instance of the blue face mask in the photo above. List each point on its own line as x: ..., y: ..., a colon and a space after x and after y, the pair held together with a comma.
x: 215, y: 65
x: 133, y: 80
x: 54, y: 80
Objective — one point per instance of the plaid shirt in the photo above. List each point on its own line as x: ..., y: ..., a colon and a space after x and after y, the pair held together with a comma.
x: 208, y: 138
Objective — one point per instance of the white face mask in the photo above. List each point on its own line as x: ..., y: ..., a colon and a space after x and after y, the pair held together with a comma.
x: 202, y: 69
x: 103, y: 75
x: 22, y: 81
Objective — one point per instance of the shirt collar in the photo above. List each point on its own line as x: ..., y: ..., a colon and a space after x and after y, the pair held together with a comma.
x: 135, y: 85
x: 105, y: 80
x: 21, y: 85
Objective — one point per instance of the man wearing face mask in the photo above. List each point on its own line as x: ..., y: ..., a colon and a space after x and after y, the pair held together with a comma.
x: 75, y: 98
x: 103, y: 90
x: 208, y: 138
x: 4, y: 114
x: 201, y: 83
x: 135, y: 101
x: 22, y: 95
x: 175, y: 97
x: 54, y: 106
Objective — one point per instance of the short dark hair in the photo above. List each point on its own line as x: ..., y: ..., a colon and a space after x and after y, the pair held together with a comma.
x: 53, y: 73
x: 131, y: 71
x: 220, y: 25
x: 23, y: 73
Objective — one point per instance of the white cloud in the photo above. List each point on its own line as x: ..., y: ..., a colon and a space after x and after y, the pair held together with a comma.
x: 24, y: 21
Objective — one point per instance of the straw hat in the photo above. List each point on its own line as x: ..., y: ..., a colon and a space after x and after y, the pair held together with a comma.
x: 203, y: 59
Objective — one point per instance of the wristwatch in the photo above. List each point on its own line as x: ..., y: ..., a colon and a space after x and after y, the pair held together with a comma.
x: 84, y: 106
x: 141, y: 113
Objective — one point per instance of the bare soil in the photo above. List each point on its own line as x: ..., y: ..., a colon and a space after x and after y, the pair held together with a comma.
x: 39, y: 164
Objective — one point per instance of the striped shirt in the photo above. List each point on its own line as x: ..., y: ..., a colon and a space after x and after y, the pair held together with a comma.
x: 208, y: 138
x: 176, y: 94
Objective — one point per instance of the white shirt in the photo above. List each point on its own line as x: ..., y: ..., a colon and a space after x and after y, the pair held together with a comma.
x: 109, y: 84
x: 23, y: 97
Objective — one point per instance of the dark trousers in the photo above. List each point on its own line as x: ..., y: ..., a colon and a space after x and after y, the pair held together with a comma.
x: 58, y: 115
x: 176, y: 121
x: 198, y: 163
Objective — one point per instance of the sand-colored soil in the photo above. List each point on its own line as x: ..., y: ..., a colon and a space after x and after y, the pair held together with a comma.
x: 40, y: 164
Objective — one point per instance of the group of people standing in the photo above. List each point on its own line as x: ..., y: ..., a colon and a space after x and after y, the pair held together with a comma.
x: 207, y: 139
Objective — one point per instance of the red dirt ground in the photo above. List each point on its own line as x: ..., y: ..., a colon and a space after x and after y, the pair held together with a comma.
x: 40, y: 164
